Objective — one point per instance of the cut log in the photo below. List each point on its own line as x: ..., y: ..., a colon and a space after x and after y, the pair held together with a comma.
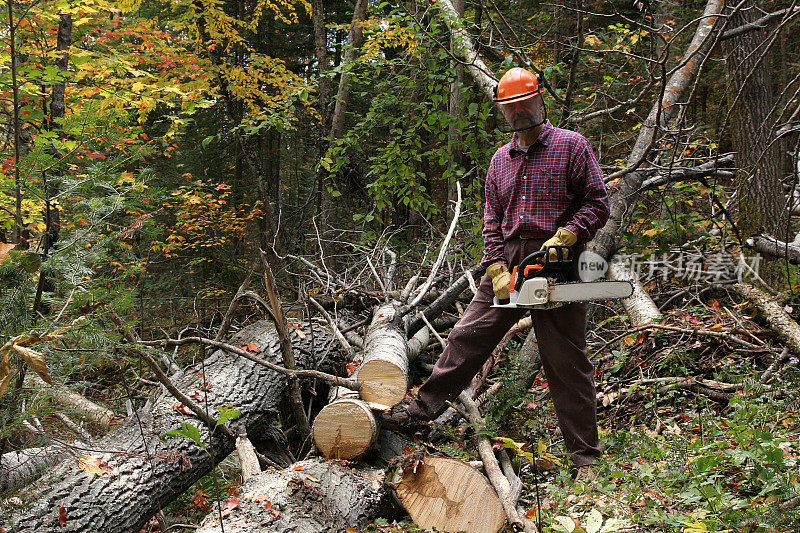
x: 345, y: 428
x: 309, y: 497
x: 449, y: 495
x: 146, y: 473
x: 384, y: 370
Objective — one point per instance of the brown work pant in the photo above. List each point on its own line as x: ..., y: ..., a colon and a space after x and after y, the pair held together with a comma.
x: 561, y: 336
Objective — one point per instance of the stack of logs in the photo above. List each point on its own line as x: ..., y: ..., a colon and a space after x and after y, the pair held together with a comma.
x: 438, y: 492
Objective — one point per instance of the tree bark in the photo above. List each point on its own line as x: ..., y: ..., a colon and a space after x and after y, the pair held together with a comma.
x: 146, y: 473
x: 787, y: 329
x: 309, y: 497
x: 759, y: 192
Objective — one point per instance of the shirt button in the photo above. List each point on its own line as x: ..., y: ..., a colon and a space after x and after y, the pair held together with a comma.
x: 523, y: 196
x: 524, y: 177
x: 520, y: 216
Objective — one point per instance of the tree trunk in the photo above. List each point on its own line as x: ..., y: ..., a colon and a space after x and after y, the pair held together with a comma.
x: 759, y: 191
x: 624, y: 197
x: 309, y: 497
x: 147, y: 473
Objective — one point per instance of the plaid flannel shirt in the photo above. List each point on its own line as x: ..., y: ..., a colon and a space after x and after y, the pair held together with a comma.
x: 556, y: 183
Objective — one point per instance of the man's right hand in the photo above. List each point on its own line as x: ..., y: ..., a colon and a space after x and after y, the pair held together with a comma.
x: 501, y: 280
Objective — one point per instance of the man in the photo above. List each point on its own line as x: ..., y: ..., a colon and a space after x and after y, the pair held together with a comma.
x: 543, y: 188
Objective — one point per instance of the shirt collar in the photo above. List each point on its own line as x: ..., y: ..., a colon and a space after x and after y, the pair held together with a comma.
x: 543, y: 138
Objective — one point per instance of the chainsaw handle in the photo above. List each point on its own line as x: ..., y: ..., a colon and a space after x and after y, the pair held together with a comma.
x: 542, y: 257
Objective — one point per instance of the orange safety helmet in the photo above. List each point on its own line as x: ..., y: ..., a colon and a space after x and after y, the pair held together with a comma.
x: 517, y: 84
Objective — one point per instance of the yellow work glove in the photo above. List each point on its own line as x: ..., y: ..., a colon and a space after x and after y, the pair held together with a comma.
x: 562, y: 237
x: 501, y: 279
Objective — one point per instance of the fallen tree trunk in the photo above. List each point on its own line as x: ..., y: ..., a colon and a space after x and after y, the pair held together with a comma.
x: 309, y: 497
x: 787, y: 329
x: 766, y: 244
x: 140, y: 473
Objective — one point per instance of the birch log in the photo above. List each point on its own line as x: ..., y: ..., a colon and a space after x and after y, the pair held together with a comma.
x: 384, y: 369
x: 777, y: 318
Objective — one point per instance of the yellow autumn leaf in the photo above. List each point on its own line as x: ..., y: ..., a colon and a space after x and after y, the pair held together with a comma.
x: 35, y: 360
x: 94, y: 465
x: 5, y: 374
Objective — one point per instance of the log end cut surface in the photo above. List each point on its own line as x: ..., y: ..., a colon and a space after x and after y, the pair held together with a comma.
x: 450, y: 495
x: 344, y: 429
x: 384, y: 382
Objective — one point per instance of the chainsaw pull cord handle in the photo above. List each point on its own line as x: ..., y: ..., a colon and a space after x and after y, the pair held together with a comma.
x: 540, y: 261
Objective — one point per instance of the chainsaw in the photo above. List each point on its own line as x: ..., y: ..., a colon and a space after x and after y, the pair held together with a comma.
x: 540, y: 282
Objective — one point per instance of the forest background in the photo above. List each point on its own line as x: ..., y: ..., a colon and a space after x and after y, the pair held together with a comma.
x: 150, y: 149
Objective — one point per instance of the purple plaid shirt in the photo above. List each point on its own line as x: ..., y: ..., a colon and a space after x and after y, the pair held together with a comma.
x: 556, y: 183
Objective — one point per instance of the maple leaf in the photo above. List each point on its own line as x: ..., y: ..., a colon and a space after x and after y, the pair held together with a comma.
x: 268, y: 507
x: 298, y: 467
x: 250, y: 347
x: 229, y: 506
x: 530, y: 513
x: 197, y: 395
x: 62, y: 516
x: 94, y: 465
x: 5, y: 248
x: 95, y: 155
x: 182, y: 409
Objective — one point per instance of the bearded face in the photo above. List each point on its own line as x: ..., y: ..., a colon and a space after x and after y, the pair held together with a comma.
x: 524, y: 114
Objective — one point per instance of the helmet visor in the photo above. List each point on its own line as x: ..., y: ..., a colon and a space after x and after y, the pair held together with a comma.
x: 522, y: 114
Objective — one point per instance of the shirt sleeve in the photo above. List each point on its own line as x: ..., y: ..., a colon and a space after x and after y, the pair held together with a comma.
x: 493, y: 250
x: 586, y: 179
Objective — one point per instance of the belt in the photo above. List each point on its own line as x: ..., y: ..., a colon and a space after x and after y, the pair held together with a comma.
x: 534, y: 234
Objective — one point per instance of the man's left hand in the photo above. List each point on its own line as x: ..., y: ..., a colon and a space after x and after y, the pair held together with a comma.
x: 562, y: 237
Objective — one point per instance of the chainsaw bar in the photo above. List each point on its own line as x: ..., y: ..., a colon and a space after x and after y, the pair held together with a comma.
x: 538, y: 293
x: 587, y: 291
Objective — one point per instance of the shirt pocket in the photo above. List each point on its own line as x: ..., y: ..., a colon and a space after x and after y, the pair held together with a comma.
x: 549, y: 184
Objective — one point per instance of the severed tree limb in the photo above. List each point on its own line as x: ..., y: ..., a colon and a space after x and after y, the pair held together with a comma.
x: 299, y: 373
x: 779, y: 361
x: 757, y: 24
x: 493, y: 470
x: 288, y: 355
x: 767, y: 244
x: 787, y: 329
x: 99, y: 418
x: 686, y: 174
x: 444, y: 300
x: 640, y: 306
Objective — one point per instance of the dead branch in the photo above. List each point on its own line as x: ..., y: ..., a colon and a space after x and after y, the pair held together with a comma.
x: 492, y: 468
x: 442, y: 251
x: 336, y: 331
x: 299, y: 373
x: 444, y: 300
x: 288, y: 355
x: 779, y: 361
